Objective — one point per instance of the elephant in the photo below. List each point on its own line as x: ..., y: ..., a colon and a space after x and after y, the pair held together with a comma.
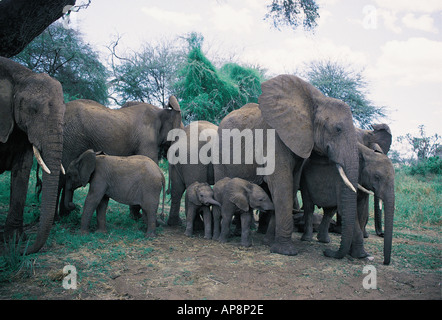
x: 320, y: 186
x: 136, y: 129
x: 132, y: 180
x: 181, y: 175
x: 31, y: 121
x: 199, y: 196
x: 237, y: 195
x: 379, y: 139
x: 300, y: 119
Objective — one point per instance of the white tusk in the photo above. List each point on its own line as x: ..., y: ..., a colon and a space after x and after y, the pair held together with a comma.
x: 62, y: 169
x: 365, y: 190
x: 380, y: 204
x: 40, y: 160
x: 345, y: 179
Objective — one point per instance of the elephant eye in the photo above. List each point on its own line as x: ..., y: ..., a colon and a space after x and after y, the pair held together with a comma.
x: 338, y: 129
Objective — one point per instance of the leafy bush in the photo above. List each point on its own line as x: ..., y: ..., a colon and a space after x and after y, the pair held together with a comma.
x: 432, y: 165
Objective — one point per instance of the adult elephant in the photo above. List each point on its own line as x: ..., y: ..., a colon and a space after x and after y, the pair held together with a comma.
x: 319, y: 187
x: 136, y: 129
x: 182, y: 175
x: 378, y: 139
x: 31, y: 120
x: 304, y: 120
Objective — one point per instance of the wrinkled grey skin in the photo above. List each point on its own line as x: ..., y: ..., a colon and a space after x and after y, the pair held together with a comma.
x: 199, y: 197
x: 237, y: 196
x: 181, y: 176
x: 135, y: 129
x: 31, y: 114
x: 304, y: 120
x: 133, y: 180
x: 320, y: 186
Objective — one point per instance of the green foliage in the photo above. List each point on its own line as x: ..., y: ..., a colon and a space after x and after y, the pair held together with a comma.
x: 432, y: 165
x: 14, y: 262
x: 63, y: 54
x: 210, y: 94
x: 340, y: 82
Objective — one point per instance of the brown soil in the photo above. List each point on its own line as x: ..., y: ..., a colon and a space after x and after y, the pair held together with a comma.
x: 173, y: 266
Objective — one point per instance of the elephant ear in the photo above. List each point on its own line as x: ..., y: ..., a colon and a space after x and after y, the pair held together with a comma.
x: 286, y: 105
x: 192, y: 194
x: 382, y: 135
x: 6, y: 110
x: 173, y: 103
x: 86, y: 166
x: 241, y: 197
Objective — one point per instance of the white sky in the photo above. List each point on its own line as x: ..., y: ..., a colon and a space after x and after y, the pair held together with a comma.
x: 398, y: 43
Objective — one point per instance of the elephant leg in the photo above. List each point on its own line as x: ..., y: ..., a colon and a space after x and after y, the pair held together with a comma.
x: 309, y: 208
x: 101, y: 214
x: 363, y: 213
x: 226, y: 214
x: 191, y: 211
x: 270, y: 234
x: 357, y: 245
x: 216, y: 211
x: 20, y: 173
x: 323, y: 235
x: 135, y: 212
x: 176, y: 193
x: 264, y: 219
x: 91, y: 203
x: 150, y: 218
x: 246, y: 220
x: 207, y: 217
x: 282, y: 189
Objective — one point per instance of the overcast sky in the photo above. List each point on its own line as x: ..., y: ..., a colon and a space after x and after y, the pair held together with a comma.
x: 398, y: 43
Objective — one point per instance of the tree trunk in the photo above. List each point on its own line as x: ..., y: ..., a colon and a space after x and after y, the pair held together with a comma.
x: 23, y: 20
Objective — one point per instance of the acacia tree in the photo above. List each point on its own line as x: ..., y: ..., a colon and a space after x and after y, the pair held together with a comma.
x: 63, y: 54
x: 148, y: 75
x: 342, y: 82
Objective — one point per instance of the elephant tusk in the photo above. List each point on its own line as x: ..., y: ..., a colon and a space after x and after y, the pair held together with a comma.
x: 40, y: 160
x: 365, y: 190
x: 380, y: 204
x: 62, y: 169
x: 345, y: 179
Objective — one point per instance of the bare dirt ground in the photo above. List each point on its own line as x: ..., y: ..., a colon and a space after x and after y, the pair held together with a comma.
x: 173, y: 266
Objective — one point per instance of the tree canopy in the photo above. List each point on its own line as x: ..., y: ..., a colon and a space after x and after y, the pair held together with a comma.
x: 209, y: 93
x: 342, y: 82
x: 63, y: 54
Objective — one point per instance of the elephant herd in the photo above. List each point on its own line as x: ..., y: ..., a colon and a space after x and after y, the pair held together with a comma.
x: 315, y: 149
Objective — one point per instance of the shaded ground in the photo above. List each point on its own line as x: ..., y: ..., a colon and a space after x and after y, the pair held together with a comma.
x: 173, y: 266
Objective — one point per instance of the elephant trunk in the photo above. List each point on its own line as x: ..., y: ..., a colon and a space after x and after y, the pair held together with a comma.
x: 214, y: 202
x: 388, y: 228
x: 52, y: 149
x: 347, y: 207
x: 69, y: 194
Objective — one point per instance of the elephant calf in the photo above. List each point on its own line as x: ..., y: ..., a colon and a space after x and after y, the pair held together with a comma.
x: 133, y: 180
x: 238, y: 195
x: 199, y: 197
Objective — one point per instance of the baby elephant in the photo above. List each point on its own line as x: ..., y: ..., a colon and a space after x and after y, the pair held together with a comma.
x: 199, y: 197
x: 134, y: 180
x: 238, y: 196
